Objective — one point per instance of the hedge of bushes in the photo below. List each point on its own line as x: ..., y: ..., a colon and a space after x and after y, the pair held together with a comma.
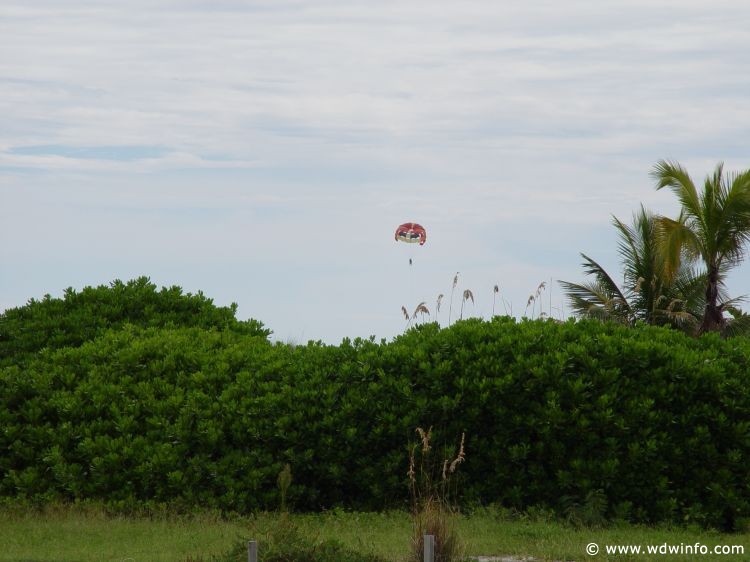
x: 643, y: 424
x: 79, y: 317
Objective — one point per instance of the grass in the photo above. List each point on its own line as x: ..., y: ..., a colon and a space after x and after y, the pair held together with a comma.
x: 73, y: 534
x: 68, y: 534
x: 487, y: 533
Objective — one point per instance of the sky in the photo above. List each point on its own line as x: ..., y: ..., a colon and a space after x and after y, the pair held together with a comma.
x: 264, y: 152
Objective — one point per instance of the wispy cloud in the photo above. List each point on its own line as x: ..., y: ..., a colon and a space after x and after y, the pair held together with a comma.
x: 307, y: 129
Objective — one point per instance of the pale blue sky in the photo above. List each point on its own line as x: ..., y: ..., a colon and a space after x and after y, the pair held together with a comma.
x: 264, y: 152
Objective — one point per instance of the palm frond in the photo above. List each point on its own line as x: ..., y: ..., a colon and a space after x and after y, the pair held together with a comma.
x: 681, y: 319
x: 739, y: 323
x: 629, y: 250
x: 689, y: 285
x: 642, y: 261
x: 673, y: 175
x: 677, y: 243
x: 733, y: 224
x: 732, y: 304
x: 594, y: 300
x: 590, y: 267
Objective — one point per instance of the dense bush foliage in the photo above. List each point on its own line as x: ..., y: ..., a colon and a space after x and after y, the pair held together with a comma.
x: 81, y: 316
x: 644, y: 423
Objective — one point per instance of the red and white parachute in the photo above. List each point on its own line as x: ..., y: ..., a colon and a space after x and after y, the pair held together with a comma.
x: 411, y: 233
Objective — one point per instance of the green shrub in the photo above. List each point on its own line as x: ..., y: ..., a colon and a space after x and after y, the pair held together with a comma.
x: 79, y: 317
x: 593, y: 420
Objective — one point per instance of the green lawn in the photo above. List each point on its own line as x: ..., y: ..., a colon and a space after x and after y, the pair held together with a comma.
x: 82, y: 535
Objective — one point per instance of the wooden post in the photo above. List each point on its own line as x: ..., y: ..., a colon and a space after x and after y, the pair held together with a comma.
x: 252, y: 551
x: 429, y: 548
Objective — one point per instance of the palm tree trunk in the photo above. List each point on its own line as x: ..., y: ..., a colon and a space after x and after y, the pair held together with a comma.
x: 713, y: 319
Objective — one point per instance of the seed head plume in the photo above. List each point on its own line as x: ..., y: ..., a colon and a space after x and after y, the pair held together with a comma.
x: 536, y: 296
x: 425, y: 437
x: 432, y: 509
x: 453, y: 289
x: 421, y: 309
x: 467, y: 295
x: 459, y: 458
x: 412, y: 473
x: 528, y: 304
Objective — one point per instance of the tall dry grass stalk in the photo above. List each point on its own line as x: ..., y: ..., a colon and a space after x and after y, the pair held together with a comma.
x: 450, y: 308
x: 407, y: 317
x: 284, y: 480
x: 528, y: 304
x: 534, y: 298
x: 432, y: 510
x: 537, y: 295
x: 467, y: 295
x: 421, y: 309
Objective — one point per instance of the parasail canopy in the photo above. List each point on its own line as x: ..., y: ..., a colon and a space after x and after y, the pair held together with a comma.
x: 411, y: 233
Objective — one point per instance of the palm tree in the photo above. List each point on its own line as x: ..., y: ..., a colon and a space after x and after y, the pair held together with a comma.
x: 646, y: 295
x: 713, y: 225
x: 600, y: 298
